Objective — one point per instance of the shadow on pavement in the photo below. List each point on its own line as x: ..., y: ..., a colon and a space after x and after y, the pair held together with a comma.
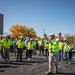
x: 15, y: 63
x: 62, y: 74
x: 2, y: 70
x: 7, y: 66
x: 73, y: 63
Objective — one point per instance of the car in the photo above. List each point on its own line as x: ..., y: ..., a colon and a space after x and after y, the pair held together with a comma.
x: 72, y: 54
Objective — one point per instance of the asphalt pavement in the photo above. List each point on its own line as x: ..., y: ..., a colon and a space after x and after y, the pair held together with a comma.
x: 37, y: 66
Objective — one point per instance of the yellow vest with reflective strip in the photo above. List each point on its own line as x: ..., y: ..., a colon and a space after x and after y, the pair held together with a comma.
x: 46, y: 46
x: 53, y: 47
x: 30, y: 46
x: 61, y: 45
x: 67, y: 48
x: 20, y: 43
x: 6, y: 44
x: 40, y: 43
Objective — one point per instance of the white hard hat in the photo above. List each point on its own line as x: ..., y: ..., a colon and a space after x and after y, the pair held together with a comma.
x: 64, y: 38
x: 21, y: 36
x: 2, y: 35
x: 31, y: 39
x: 51, y: 34
x: 57, y: 39
x: 11, y: 36
x: 46, y: 41
x: 41, y: 37
x: 5, y: 35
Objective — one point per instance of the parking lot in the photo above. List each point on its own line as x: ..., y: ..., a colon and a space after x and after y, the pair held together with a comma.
x: 37, y: 66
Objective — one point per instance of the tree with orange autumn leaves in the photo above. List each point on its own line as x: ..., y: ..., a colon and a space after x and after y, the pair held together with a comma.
x: 21, y: 30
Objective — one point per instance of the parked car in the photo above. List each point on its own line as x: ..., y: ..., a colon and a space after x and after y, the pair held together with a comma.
x: 72, y: 53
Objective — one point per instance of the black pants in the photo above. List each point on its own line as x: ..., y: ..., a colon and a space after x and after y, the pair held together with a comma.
x: 30, y: 53
x: 11, y: 49
x: 46, y: 53
x: 6, y: 54
x: 19, y: 54
x: 41, y: 50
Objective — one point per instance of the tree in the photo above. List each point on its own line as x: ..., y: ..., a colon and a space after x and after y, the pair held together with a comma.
x: 70, y: 38
x: 38, y: 37
x: 31, y: 33
x: 20, y: 30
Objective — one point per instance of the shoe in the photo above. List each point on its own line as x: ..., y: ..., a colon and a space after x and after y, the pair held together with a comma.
x: 28, y: 58
x: 68, y: 63
x: 20, y: 60
x: 48, y: 73
x: 56, y: 72
x: 16, y: 60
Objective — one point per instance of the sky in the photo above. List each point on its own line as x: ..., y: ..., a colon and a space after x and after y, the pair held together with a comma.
x: 53, y: 16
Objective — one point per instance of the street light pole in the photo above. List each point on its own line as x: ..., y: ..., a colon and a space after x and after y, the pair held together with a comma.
x: 28, y: 32
x: 43, y: 31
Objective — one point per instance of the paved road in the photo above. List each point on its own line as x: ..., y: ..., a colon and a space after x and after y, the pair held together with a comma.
x: 37, y: 66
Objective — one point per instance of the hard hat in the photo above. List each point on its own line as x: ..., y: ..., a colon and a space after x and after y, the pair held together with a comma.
x: 2, y: 35
x: 31, y: 39
x: 57, y: 39
x: 52, y: 34
x: 41, y: 37
x: 46, y: 41
x: 5, y: 35
x: 64, y: 38
x: 11, y: 37
x: 21, y: 37
x: 27, y: 37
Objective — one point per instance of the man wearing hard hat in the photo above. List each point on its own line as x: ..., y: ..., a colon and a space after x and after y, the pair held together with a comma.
x: 1, y: 47
x: 21, y: 44
x: 30, y: 49
x: 53, y: 53
x: 6, y: 46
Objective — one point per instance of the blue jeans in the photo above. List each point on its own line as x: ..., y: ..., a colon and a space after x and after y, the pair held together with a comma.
x: 34, y: 51
x: 67, y: 57
x: 27, y: 54
x: 60, y: 54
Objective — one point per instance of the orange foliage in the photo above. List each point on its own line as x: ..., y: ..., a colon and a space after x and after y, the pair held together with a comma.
x: 20, y: 30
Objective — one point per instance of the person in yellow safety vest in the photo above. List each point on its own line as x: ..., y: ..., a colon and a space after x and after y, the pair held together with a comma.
x: 15, y: 46
x: 41, y: 46
x: 34, y: 42
x: 67, y: 50
x: 46, y: 46
x: 20, y: 43
x: 53, y: 53
x: 26, y: 42
x: 6, y: 46
x: 61, y: 48
x: 11, y: 46
x: 1, y: 47
x: 30, y: 49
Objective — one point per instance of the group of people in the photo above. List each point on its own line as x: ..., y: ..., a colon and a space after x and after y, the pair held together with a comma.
x: 55, y: 49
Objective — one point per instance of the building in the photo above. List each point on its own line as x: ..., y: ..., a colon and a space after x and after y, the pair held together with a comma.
x: 1, y: 23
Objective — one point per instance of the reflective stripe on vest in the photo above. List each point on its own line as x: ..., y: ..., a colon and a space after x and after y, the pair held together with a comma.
x: 53, y: 47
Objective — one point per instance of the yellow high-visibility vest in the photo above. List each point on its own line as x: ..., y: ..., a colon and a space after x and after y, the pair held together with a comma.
x: 67, y: 48
x: 53, y: 47
x: 46, y: 46
x: 30, y: 46
x: 61, y: 45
